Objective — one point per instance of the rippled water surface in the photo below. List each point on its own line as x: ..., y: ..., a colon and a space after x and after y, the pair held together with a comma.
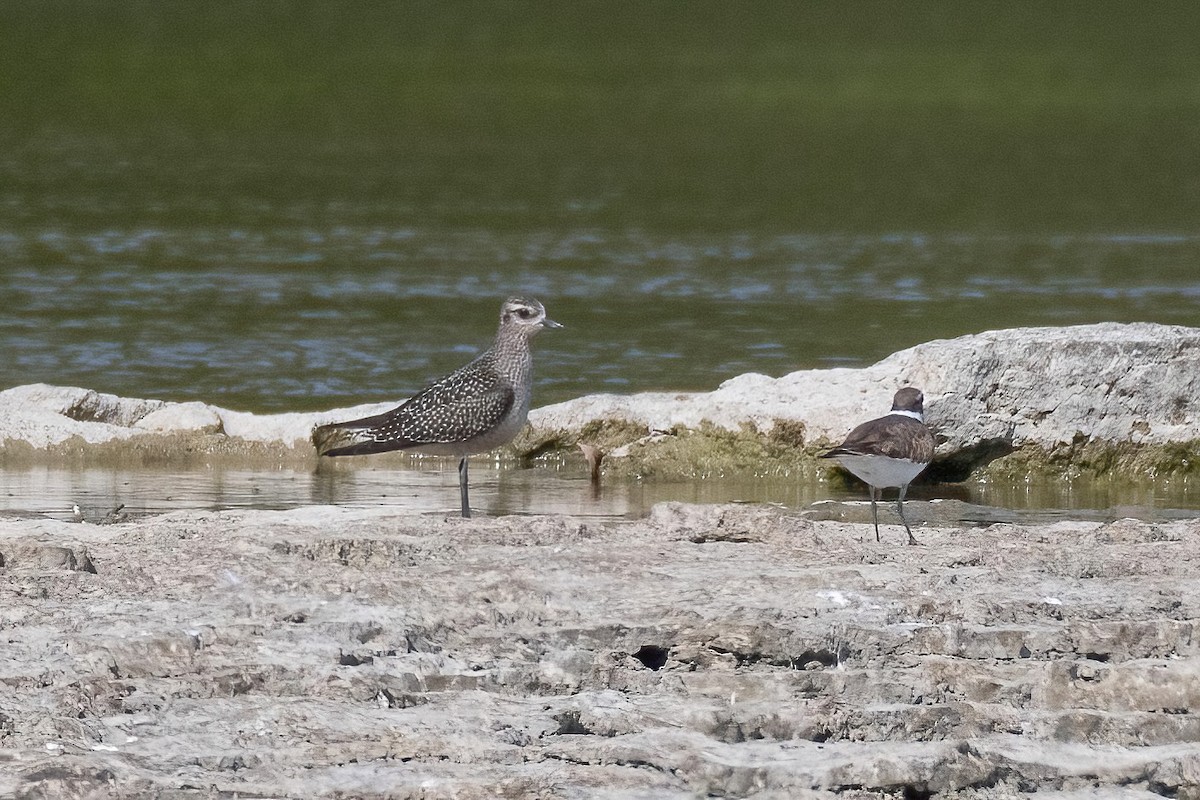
x: 430, y: 486
x: 275, y: 206
x: 265, y: 322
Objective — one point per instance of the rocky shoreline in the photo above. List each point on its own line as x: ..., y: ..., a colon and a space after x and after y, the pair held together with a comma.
x: 720, y: 650
x: 1092, y: 400
x: 1089, y: 400
x: 705, y: 650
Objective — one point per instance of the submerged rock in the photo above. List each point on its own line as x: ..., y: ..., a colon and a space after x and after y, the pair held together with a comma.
x: 1099, y: 399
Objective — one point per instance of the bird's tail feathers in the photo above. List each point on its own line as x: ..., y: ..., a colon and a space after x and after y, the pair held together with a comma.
x: 353, y: 438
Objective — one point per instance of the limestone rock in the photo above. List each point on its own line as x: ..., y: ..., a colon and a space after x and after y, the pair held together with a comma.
x: 1058, y: 390
x: 292, y: 428
x: 179, y: 417
x: 83, y: 405
x: 1133, y: 384
x: 42, y: 415
x: 42, y: 556
x: 337, y: 651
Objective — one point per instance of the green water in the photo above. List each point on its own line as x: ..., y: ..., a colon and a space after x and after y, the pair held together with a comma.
x: 290, y: 205
x: 284, y: 206
x: 772, y: 116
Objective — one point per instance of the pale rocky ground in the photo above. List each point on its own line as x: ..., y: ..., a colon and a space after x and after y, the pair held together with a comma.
x: 705, y: 650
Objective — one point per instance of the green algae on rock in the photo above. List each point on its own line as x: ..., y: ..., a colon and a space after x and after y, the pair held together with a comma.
x: 1088, y: 400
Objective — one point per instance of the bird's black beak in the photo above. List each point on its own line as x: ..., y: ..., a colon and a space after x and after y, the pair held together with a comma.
x: 549, y: 323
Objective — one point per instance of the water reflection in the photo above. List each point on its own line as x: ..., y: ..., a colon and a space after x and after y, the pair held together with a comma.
x: 431, y: 487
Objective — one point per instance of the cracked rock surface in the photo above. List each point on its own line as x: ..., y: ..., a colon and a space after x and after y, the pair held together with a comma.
x: 705, y: 650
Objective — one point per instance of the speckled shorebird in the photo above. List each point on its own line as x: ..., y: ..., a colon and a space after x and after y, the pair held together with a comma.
x: 889, y: 451
x: 474, y: 409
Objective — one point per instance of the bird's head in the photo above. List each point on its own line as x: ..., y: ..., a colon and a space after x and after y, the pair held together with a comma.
x: 526, y: 315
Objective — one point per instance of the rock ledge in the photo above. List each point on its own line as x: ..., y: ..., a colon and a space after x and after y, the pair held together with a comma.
x: 1093, y: 399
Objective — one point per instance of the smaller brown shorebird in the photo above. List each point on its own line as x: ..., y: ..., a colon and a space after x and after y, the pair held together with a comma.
x: 476, y: 408
x: 889, y: 451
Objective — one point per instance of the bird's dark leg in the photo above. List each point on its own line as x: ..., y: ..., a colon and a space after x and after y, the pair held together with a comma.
x: 900, y: 508
x: 874, y: 510
x: 462, y: 487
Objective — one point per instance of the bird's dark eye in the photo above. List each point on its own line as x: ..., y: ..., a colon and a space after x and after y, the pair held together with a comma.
x: 524, y: 313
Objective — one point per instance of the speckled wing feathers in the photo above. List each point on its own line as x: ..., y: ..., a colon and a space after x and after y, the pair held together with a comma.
x: 466, y: 403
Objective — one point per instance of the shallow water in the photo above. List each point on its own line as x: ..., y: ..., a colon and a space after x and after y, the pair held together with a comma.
x: 430, y: 486
x: 272, y: 210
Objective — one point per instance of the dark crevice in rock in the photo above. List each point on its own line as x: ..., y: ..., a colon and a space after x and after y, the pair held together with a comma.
x: 742, y: 537
x: 636, y: 763
x: 823, y: 657
x: 916, y: 793
x: 399, y: 699
x: 652, y: 656
x: 568, y: 724
x: 352, y: 660
x: 959, y: 465
x: 420, y: 641
x: 1162, y: 789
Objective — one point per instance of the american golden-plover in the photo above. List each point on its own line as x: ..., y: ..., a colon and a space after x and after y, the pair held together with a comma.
x: 476, y: 408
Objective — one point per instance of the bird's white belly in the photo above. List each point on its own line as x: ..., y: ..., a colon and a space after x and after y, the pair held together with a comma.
x: 882, y: 471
